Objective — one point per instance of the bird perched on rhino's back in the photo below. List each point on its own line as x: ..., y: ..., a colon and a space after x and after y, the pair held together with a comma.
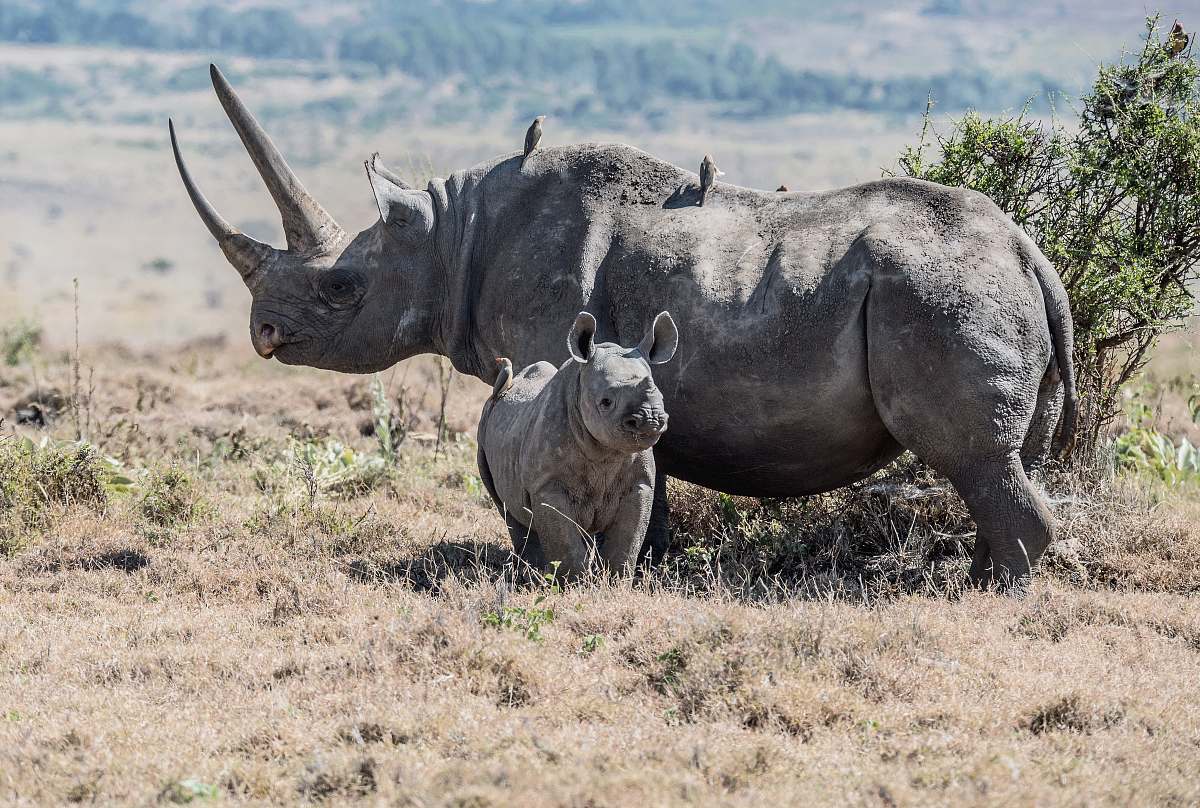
x: 783, y: 189
x: 708, y: 175
x: 504, y: 378
x: 533, y: 136
x: 566, y: 454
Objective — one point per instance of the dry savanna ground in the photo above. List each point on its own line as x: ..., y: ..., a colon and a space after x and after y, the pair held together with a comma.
x: 272, y: 585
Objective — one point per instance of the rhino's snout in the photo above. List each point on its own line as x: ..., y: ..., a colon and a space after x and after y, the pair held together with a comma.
x: 266, y: 337
x: 646, y: 423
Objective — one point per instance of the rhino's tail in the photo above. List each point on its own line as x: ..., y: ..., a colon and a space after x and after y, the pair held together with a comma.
x: 1062, y: 335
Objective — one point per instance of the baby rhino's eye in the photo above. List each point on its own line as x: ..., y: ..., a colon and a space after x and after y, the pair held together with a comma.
x: 605, y: 403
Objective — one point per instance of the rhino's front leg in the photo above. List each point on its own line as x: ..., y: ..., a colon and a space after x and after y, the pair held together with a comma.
x: 562, y: 539
x: 624, y: 538
x: 526, y: 543
x: 658, y: 532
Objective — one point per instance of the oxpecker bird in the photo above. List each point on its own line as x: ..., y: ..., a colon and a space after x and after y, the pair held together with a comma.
x: 708, y: 175
x: 1177, y: 40
x: 782, y: 188
x: 532, y: 137
x: 504, y: 378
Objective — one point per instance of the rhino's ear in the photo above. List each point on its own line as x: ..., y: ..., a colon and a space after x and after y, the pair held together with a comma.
x: 660, y: 342
x: 408, y: 213
x: 581, y: 339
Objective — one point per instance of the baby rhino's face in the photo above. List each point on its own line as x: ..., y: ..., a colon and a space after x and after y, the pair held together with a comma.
x: 620, y: 404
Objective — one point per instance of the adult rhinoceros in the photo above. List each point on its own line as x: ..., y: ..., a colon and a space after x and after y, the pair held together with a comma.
x: 825, y: 332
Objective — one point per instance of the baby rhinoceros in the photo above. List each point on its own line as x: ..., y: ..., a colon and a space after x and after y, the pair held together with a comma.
x: 566, y: 453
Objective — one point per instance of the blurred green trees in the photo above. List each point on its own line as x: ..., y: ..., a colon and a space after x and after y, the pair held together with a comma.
x: 615, y: 57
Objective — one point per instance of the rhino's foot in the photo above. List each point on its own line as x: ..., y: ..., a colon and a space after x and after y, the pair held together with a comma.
x: 987, y: 581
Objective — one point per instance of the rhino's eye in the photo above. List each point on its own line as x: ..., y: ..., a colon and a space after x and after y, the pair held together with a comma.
x: 605, y: 403
x: 341, y: 288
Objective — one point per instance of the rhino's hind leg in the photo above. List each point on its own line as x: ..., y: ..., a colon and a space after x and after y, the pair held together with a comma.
x: 1014, y: 527
x: 962, y: 392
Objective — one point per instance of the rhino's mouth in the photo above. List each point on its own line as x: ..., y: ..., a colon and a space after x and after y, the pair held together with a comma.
x: 643, y: 439
x: 282, y: 351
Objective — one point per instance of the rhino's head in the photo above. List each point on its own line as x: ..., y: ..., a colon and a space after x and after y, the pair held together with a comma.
x: 329, y: 300
x: 620, y: 404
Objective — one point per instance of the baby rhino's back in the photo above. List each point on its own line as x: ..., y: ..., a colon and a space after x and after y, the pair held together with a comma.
x: 517, y: 402
x: 503, y: 429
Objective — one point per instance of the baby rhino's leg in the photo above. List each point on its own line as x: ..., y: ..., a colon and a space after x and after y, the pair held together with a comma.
x: 525, y: 541
x: 623, y: 538
x: 562, y: 539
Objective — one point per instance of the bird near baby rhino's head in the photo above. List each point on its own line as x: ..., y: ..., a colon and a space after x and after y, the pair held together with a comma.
x: 619, y: 402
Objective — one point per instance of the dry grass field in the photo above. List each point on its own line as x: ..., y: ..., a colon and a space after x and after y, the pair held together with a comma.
x: 244, y: 597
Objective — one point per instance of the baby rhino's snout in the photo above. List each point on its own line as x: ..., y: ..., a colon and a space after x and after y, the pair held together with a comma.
x: 648, y: 420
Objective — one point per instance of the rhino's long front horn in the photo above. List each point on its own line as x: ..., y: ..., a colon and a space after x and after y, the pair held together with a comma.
x: 246, y: 254
x: 305, y: 223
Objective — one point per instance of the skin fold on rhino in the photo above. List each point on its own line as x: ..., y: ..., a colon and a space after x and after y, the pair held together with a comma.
x: 824, y: 332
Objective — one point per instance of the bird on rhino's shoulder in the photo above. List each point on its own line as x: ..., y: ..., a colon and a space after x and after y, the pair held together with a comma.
x: 708, y: 175
x: 533, y: 136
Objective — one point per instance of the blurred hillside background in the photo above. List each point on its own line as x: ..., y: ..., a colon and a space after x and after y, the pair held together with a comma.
x: 812, y: 94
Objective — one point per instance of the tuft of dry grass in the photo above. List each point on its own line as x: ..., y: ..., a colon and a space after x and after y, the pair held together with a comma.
x: 191, y: 619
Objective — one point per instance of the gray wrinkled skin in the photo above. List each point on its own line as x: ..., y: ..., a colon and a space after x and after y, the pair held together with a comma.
x: 566, y: 455
x: 824, y: 332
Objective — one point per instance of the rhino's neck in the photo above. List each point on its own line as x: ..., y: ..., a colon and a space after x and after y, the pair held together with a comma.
x: 460, y: 228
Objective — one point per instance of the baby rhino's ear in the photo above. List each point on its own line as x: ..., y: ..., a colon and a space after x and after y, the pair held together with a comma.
x: 660, y: 342
x: 580, y: 340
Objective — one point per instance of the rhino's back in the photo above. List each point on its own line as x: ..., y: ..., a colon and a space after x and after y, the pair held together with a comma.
x: 771, y: 392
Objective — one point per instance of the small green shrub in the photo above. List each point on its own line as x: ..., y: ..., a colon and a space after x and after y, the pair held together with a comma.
x: 169, y: 499
x: 527, y: 622
x: 182, y: 792
x: 19, y: 342
x: 339, y: 469
x: 38, y: 479
x: 1143, y: 449
x: 331, y: 467
x: 390, y: 427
